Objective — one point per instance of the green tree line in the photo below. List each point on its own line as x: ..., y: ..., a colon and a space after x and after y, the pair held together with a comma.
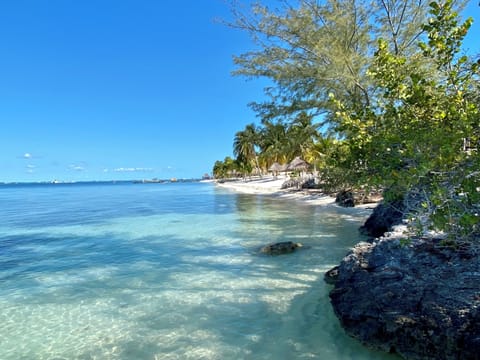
x: 256, y: 148
x: 375, y: 94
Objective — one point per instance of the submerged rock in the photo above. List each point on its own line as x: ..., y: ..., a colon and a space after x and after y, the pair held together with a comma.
x: 418, y: 298
x: 280, y: 248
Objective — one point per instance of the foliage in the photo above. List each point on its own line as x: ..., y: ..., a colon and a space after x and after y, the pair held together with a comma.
x: 244, y: 146
x: 274, y: 143
x: 309, y: 51
x: 226, y: 168
x: 257, y: 148
x: 317, y: 48
x: 418, y: 132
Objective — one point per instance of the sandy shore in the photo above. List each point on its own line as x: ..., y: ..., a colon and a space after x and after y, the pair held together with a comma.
x: 271, y: 186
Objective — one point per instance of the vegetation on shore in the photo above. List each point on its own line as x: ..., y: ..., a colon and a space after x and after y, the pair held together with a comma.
x: 373, y: 95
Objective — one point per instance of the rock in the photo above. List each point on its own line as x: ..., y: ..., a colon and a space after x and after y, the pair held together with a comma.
x: 331, y: 276
x: 383, y: 218
x: 345, y: 198
x: 280, y: 248
x: 420, y: 299
x: 309, y: 184
x: 299, y: 183
x: 291, y: 183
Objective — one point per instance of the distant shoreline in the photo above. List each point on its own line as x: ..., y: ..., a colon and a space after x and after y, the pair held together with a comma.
x: 95, y: 182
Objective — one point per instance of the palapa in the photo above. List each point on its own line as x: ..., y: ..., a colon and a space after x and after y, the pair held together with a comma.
x: 298, y: 164
x: 276, y: 167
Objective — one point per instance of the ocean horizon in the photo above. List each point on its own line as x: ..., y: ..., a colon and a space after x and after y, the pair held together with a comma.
x: 117, y: 270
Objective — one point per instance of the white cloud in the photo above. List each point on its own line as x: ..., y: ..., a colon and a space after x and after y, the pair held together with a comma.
x: 133, y: 169
x: 30, y: 169
x: 27, y: 156
x: 169, y: 168
x: 76, y: 168
x: 79, y: 166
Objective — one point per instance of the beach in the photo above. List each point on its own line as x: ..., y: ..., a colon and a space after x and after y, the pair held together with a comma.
x: 272, y: 186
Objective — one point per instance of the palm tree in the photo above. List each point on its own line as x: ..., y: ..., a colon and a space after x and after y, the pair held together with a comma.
x: 303, y: 134
x: 224, y: 169
x: 274, y: 142
x: 218, y: 170
x: 244, y: 145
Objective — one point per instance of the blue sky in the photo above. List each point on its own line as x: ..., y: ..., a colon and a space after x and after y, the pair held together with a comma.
x: 118, y: 89
x: 121, y: 89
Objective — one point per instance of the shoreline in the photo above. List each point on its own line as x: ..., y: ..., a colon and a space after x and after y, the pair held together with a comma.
x: 272, y: 186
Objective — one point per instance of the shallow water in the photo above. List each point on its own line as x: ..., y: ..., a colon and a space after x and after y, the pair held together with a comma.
x: 168, y: 271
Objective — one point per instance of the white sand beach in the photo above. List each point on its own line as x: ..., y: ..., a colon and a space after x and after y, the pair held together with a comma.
x: 272, y: 186
x: 269, y: 185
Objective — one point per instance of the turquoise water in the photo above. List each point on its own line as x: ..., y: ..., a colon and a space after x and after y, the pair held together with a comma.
x: 168, y: 271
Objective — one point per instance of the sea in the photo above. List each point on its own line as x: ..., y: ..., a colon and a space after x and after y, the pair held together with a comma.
x: 168, y: 271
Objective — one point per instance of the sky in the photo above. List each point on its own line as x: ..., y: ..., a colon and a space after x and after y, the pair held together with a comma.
x: 118, y: 89
x: 122, y: 89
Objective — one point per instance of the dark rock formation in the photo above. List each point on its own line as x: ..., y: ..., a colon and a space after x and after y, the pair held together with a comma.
x: 345, y: 198
x: 331, y: 276
x: 418, y: 298
x: 383, y: 218
x: 280, y: 248
x: 309, y: 184
x: 300, y: 183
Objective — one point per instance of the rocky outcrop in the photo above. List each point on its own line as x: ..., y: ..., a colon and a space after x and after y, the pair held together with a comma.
x: 299, y: 183
x: 331, y: 276
x: 383, y: 218
x: 419, y: 298
x: 280, y: 248
x: 345, y: 198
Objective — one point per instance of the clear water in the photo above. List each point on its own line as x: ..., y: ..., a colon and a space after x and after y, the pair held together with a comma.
x: 168, y: 271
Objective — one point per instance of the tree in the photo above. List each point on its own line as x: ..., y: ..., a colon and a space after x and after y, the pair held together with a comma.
x: 303, y: 134
x: 274, y: 144
x: 244, y: 147
x: 224, y: 169
x: 325, y: 47
x: 412, y: 138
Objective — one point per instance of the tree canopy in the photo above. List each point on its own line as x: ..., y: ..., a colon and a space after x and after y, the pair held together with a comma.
x: 322, y: 47
x: 422, y: 131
